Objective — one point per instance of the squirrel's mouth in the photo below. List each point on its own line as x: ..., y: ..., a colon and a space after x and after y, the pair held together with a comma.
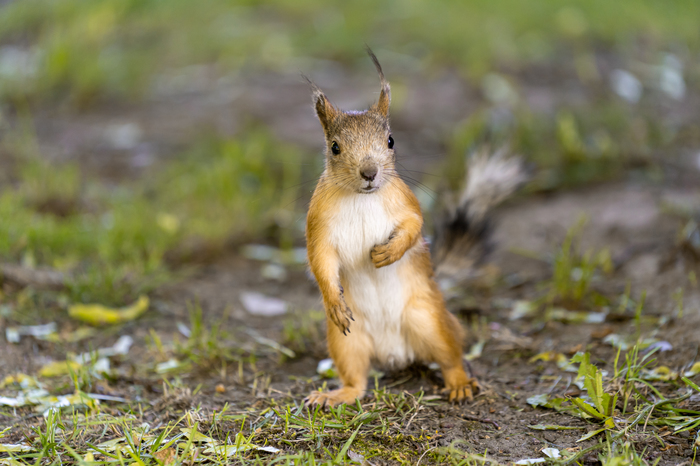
x: 369, y: 189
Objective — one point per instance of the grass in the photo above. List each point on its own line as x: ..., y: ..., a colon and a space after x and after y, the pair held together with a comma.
x: 115, y: 243
x: 618, y: 427
x: 225, y: 435
x: 601, y: 140
x: 282, y: 430
x: 303, y: 332
x: 84, y: 50
x: 574, y: 272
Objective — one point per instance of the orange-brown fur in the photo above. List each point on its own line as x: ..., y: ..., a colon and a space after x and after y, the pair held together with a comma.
x: 430, y: 332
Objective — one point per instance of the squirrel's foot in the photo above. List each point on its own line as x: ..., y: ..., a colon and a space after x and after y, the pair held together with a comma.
x: 334, y: 397
x: 464, y: 390
x: 341, y: 315
x: 384, y: 254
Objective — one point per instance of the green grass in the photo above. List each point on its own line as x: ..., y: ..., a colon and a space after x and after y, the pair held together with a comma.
x: 651, y: 405
x: 89, y: 49
x: 113, y: 241
x: 122, y: 432
x: 298, y: 434
x: 598, y: 141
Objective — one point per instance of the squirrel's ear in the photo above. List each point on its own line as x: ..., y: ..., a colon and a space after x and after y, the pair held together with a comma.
x: 385, y: 95
x: 384, y: 100
x: 324, y: 109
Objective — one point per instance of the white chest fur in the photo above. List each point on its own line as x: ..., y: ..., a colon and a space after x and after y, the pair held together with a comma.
x: 377, y: 296
x: 360, y: 223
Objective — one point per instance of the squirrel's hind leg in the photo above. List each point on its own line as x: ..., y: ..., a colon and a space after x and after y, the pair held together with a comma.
x: 436, y: 336
x: 351, y: 354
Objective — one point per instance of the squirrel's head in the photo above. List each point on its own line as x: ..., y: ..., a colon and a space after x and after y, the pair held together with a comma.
x: 359, y: 147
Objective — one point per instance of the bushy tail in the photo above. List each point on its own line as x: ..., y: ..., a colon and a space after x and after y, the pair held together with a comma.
x: 462, y: 235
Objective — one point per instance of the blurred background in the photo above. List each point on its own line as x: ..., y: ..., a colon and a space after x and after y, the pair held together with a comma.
x: 138, y: 136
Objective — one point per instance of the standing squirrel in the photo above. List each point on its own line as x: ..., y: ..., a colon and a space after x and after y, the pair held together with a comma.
x: 372, y: 265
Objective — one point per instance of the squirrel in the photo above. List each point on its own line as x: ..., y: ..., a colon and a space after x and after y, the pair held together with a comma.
x: 372, y: 265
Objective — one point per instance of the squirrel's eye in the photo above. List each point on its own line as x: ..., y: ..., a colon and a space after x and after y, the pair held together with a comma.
x: 334, y: 148
x: 391, y: 142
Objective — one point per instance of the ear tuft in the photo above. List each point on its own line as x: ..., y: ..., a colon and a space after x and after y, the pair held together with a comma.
x: 385, y: 95
x: 324, y: 109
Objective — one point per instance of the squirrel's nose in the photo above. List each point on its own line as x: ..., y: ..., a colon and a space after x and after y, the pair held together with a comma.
x: 368, y: 173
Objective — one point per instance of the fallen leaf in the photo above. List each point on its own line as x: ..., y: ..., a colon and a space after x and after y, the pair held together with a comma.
x: 551, y: 452
x: 577, y: 317
x: 97, y: 314
x: 41, y: 332
x: 28, y: 397
x: 23, y: 380
x: 475, y: 351
x: 10, y: 462
x: 121, y: 347
x: 75, y: 336
x: 165, y: 456
x: 356, y: 457
x: 530, y: 461
x: 662, y: 373
x: 58, y: 368
x: 326, y: 369
x: 14, y: 447
x: 184, y: 330
x: 56, y: 402
x: 693, y: 371
x: 111, y: 445
x: 169, y: 365
x: 546, y: 356
x: 261, y: 305
x: 661, y: 345
x: 538, y: 400
x: 522, y: 309
x: 197, y: 436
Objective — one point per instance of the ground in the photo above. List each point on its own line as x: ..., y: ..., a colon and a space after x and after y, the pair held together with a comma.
x: 168, y: 191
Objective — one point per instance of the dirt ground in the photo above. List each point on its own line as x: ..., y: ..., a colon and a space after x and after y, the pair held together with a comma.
x: 628, y: 216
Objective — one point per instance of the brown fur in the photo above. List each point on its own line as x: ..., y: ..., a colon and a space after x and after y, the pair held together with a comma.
x: 428, y: 328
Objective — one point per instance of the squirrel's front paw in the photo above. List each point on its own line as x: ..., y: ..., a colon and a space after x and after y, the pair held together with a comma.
x: 383, y: 255
x: 341, y: 315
